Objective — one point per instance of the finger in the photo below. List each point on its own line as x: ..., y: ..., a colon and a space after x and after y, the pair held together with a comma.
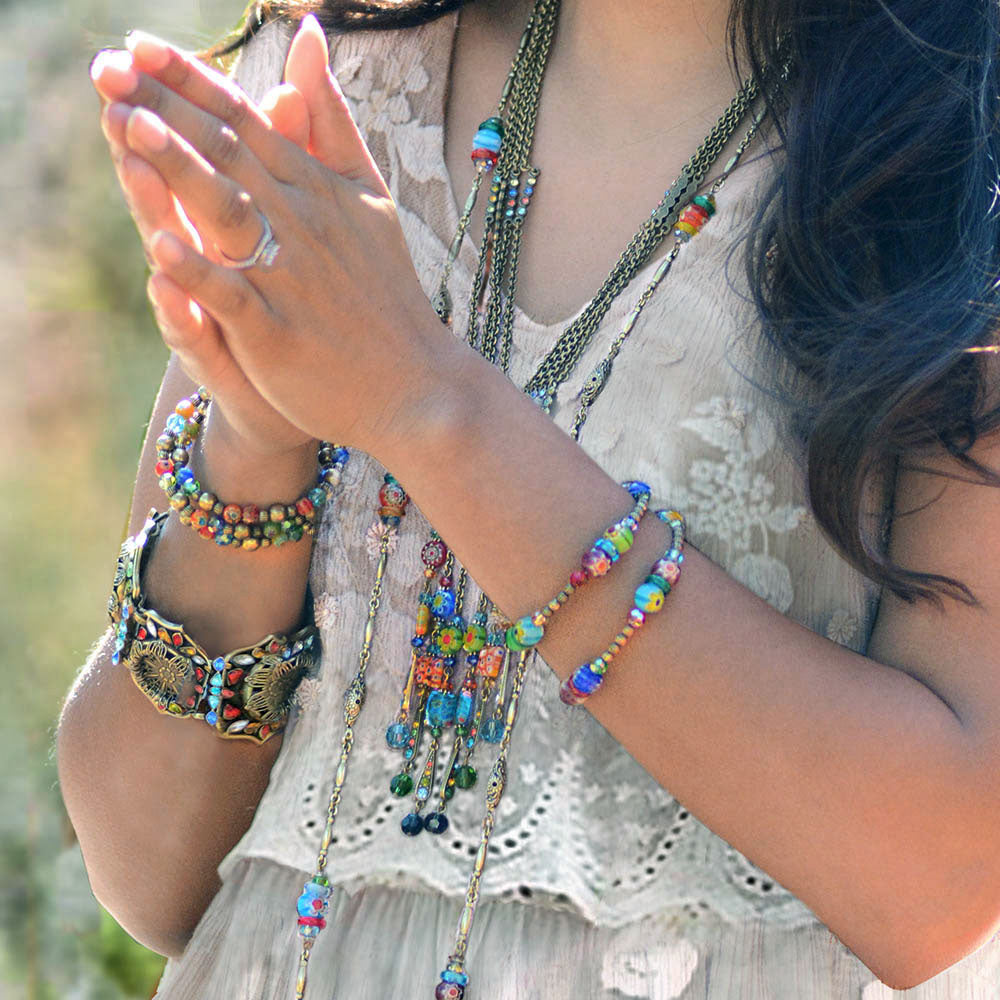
x: 149, y: 199
x: 334, y: 138
x: 194, y: 336
x: 172, y: 82
x: 225, y: 293
x: 288, y: 112
x: 221, y: 210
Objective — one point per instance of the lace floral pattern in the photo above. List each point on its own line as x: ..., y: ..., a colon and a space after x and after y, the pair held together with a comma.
x: 583, y: 826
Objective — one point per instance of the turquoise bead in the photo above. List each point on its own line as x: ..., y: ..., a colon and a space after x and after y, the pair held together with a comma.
x: 658, y: 581
x: 649, y: 598
x: 527, y: 632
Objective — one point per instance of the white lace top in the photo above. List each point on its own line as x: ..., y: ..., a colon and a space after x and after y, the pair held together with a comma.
x: 588, y: 846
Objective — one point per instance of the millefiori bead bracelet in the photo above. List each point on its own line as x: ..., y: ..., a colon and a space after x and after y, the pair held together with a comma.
x: 244, y: 694
x: 246, y: 526
x: 597, y: 561
x: 649, y: 598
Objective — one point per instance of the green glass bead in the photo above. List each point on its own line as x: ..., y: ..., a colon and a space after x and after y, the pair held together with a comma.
x: 658, y: 581
x: 401, y: 785
x: 620, y: 537
x: 465, y: 776
x: 493, y: 124
x: 449, y: 792
x: 293, y: 531
x: 706, y: 202
x: 511, y: 640
x: 192, y: 487
x: 272, y: 530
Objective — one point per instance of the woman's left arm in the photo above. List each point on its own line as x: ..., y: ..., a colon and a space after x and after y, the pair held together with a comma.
x: 868, y: 786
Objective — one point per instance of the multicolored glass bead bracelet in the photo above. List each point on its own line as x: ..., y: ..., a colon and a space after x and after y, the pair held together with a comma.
x: 649, y: 598
x: 597, y: 561
x: 244, y: 694
x: 246, y: 526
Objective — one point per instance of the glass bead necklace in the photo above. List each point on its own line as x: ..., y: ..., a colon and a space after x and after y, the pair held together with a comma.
x: 506, y: 148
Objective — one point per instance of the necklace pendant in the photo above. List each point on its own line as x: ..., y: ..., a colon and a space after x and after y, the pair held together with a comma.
x: 441, y: 302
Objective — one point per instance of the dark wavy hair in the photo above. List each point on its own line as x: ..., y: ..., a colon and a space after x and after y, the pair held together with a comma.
x: 875, y: 255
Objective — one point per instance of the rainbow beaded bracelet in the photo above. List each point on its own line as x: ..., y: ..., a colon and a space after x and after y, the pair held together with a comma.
x: 597, y: 561
x: 649, y: 598
x: 246, y: 526
x: 244, y: 694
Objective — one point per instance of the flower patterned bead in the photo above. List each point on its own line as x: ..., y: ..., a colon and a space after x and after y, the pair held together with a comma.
x: 528, y: 632
x: 596, y: 562
x: 621, y: 537
x: 649, y: 598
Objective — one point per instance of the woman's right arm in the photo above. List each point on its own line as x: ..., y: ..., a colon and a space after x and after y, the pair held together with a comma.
x: 156, y: 801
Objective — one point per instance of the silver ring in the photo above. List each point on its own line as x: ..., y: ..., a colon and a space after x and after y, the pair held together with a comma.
x: 263, y: 253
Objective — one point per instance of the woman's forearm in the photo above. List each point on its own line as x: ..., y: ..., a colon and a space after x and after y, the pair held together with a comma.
x: 851, y: 782
x: 157, y: 802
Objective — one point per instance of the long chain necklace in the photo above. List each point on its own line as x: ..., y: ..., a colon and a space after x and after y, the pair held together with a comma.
x: 502, y: 145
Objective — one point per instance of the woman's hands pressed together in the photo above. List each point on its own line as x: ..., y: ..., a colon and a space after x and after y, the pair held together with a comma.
x: 336, y: 339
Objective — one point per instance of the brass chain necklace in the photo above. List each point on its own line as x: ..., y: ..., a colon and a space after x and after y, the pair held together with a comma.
x: 490, y: 330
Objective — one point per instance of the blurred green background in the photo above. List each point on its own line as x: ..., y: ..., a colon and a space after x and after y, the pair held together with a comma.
x: 81, y: 363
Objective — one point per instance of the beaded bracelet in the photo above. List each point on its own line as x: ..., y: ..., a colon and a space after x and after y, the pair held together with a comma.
x: 246, y: 526
x: 597, y: 561
x: 649, y: 598
x: 245, y: 694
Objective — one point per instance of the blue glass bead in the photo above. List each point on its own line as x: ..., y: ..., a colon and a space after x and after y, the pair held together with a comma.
x: 605, y: 545
x: 211, y: 718
x: 450, y: 976
x: 317, y: 497
x: 412, y: 824
x: 492, y: 732
x: 466, y: 703
x: 636, y: 488
x: 219, y: 664
x: 441, y: 707
x: 214, y: 700
x: 122, y: 629
x: 221, y: 539
x: 184, y: 475
x: 527, y: 632
x: 341, y: 455
x: 417, y: 641
x: 436, y: 823
x: 215, y: 681
x: 116, y: 657
x: 486, y: 140
x: 443, y: 603
x: 586, y: 681
x: 308, y: 931
x: 176, y: 424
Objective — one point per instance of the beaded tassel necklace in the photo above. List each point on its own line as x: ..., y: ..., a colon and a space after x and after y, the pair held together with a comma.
x: 495, y: 677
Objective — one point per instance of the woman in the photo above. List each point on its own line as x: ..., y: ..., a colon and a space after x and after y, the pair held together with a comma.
x: 841, y: 731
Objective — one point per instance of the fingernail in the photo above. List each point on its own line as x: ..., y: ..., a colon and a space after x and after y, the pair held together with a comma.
x: 114, y: 119
x: 151, y: 51
x: 166, y: 249
x: 111, y: 70
x: 144, y: 126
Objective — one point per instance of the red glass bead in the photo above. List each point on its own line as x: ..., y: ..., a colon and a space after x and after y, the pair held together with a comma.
x: 207, y: 531
x: 305, y: 507
x: 251, y: 514
x: 579, y: 577
x: 274, y: 647
x: 695, y: 215
x: 141, y: 633
x: 230, y: 712
x: 266, y: 731
x: 178, y: 639
x: 191, y: 702
x: 446, y: 582
x: 199, y: 673
x: 164, y: 466
x: 234, y: 676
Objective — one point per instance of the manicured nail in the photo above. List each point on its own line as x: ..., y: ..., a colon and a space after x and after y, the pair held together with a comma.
x: 152, y: 52
x: 166, y: 249
x: 111, y: 70
x: 144, y: 126
x: 114, y: 120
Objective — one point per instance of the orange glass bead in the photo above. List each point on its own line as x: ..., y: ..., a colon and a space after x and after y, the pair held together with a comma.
x: 185, y: 408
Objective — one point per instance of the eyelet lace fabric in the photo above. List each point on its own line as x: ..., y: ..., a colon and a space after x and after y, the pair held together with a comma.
x: 599, y: 883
